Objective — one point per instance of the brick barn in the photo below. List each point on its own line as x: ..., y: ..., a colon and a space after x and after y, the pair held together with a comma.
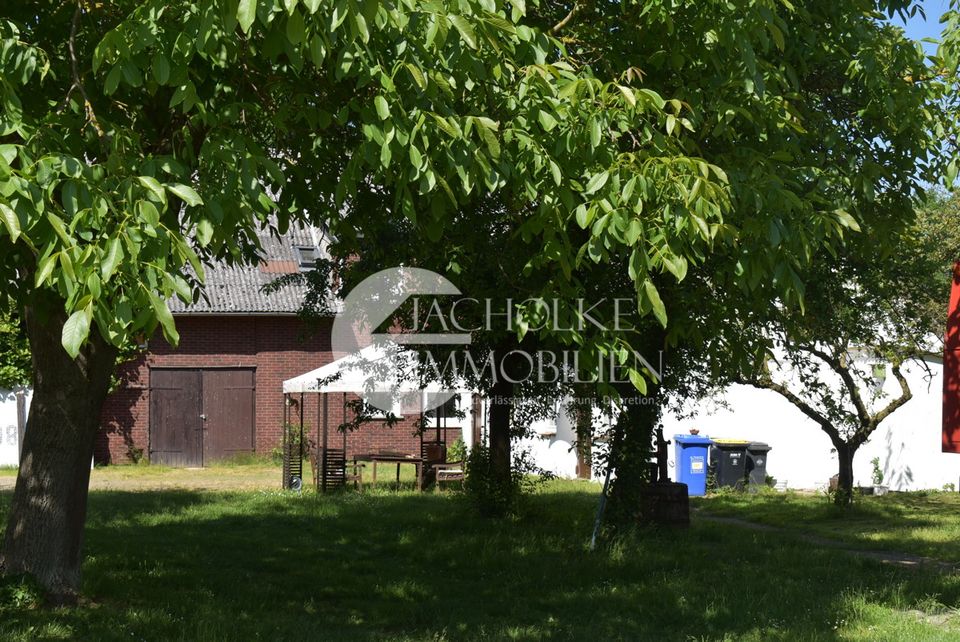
x: 220, y: 392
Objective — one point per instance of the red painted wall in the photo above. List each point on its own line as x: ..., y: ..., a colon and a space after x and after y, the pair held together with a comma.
x: 951, y: 371
x: 279, y: 348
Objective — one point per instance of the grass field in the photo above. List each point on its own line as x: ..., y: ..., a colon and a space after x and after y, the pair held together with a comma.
x: 187, y: 564
x: 923, y: 523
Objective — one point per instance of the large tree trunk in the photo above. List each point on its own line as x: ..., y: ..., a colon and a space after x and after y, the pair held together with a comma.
x: 845, y: 453
x: 631, y: 447
x: 500, y: 458
x: 583, y: 413
x: 630, y: 452
x: 44, y: 535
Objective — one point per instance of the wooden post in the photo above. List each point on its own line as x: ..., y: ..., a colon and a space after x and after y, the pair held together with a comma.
x: 21, y: 420
x: 323, y: 456
x: 300, y: 445
x: 317, y: 482
x: 285, y: 466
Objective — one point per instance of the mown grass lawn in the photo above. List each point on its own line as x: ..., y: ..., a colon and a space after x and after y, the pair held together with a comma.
x: 245, y: 565
x: 923, y: 523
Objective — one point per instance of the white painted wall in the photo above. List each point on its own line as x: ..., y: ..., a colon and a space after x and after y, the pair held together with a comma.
x: 552, y: 443
x: 9, y: 435
x: 907, y: 443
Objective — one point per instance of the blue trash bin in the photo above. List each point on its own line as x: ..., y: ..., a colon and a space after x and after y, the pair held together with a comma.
x: 691, y: 462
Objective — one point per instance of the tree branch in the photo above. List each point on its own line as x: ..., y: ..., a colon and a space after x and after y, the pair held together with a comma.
x: 767, y: 383
x: 836, y: 363
x: 905, y: 395
x: 74, y: 68
x: 578, y: 8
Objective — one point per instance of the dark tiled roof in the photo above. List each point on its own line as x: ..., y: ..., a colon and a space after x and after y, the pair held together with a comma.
x: 239, y: 289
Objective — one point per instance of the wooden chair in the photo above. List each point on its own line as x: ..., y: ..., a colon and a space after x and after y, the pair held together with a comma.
x: 454, y: 471
x: 339, y: 471
x: 433, y: 453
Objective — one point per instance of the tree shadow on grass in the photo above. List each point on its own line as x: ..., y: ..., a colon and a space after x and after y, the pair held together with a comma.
x: 189, y: 565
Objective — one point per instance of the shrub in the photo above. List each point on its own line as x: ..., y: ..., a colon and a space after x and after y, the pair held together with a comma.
x: 497, y: 498
x: 19, y: 592
x: 457, y: 451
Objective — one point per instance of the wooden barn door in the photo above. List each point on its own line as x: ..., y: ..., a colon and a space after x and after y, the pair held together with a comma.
x: 176, y: 428
x: 228, y: 408
x: 200, y: 416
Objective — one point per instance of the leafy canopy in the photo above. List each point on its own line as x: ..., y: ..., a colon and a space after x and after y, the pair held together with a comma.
x: 141, y: 138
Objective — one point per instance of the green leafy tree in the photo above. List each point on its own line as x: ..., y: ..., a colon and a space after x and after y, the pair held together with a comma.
x: 815, y: 133
x: 141, y: 138
x: 14, y: 354
x: 869, y: 311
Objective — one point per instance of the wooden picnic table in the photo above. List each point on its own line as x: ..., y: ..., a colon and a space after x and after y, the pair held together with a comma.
x: 389, y: 457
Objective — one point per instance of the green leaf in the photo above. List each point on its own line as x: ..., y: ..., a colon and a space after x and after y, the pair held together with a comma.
x: 595, y: 133
x: 628, y: 95
x: 148, y: 212
x: 846, y: 220
x: 656, y: 303
x: 185, y: 193
x: 318, y: 50
x: 584, y: 216
x: 45, y: 269
x: 246, y: 14
x: 311, y: 5
x: 417, y: 75
x: 295, y: 28
x: 547, y: 121
x: 76, y: 330
x: 415, y: 157
x: 634, y: 229
x: 57, y: 224
x: 112, y: 80
x: 490, y: 138
x: 165, y: 319
x: 11, y: 221
x: 465, y: 29
x: 677, y: 265
x: 555, y: 172
x: 383, y: 108
x: 161, y: 69
x: 596, y: 182
x: 181, y: 287
x: 204, y: 232
x: 154, y: 186
x: 638, y: 381
x: 111, y: 259
x: 362, y: 29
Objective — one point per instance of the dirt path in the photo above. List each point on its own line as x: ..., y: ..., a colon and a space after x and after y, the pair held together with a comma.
x: 894, y: 558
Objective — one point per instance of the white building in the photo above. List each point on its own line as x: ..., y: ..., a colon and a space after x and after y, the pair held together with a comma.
x: 13, y: 415
x: 907, y: 442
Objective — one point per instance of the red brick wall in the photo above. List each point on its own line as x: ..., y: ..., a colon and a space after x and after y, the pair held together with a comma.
x: 279, y: 348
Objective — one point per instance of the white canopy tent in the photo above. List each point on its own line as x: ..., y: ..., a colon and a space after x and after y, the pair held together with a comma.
x: 387, y: 379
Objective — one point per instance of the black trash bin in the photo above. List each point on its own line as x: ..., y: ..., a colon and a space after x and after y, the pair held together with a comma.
x: 728, y: 462
x: 757, y: 463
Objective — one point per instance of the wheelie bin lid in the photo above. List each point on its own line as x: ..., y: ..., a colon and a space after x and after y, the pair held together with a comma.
x: 692, y: 439
x: 731, y: 443
x: 759, y: 446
